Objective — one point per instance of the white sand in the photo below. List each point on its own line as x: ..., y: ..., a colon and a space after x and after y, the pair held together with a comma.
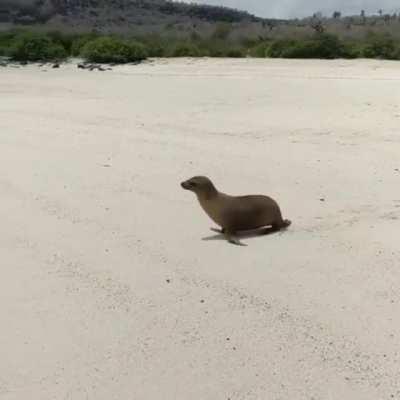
x: 94, y: 224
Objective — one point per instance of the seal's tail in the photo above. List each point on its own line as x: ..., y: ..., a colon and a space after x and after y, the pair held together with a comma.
x: 286, y: 223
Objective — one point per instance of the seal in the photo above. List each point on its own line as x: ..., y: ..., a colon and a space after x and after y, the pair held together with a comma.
x: 236, y: 213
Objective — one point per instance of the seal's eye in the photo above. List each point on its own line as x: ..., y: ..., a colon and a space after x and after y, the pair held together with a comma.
x: 194, y: 184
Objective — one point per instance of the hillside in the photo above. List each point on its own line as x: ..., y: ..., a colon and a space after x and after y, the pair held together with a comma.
x: 177, y: 29
x: 182, y: 20
x: 113, y: 15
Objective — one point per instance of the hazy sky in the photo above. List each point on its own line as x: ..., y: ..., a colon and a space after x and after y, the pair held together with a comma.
x: 300, y: 8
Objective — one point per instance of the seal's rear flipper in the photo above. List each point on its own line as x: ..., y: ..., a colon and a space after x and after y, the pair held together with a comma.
x: 218, y: 230
x: 236, y: 242
x: 231, y: 239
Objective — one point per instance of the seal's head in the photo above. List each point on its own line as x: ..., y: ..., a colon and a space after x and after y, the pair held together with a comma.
x: 200, y: 185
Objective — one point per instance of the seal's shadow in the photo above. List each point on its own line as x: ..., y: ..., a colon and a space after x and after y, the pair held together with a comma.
x: 242, y: 235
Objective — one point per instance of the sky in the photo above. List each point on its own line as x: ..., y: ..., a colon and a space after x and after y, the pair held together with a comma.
x: 303, y: 8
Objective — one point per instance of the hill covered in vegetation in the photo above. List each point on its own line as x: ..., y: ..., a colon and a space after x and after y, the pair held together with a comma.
x: 131, y: 30
x: 112, y: 15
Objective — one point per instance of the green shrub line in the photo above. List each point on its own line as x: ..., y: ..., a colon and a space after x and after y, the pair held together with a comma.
x: 22, y: 45
x: 113, y: 50
x: 36, y: 48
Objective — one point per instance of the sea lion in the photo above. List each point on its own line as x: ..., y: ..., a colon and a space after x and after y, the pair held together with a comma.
x: 236, y: 213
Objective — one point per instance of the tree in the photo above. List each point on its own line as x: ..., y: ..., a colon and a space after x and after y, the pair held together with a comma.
x: 363, y: 17
x: 271, y: 25
x: 337, y: 15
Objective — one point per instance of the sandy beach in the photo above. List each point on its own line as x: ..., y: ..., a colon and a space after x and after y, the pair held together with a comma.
x: 113, y: 285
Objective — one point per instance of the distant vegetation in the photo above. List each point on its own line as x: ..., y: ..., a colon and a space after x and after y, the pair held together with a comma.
x: 120, y: 31
x: 205, y: 12
x: 54, y: 46
x: 113, y: 13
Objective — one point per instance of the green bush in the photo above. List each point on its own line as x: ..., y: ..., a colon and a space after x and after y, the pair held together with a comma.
x: 352, y: 50
x: 79, y: 42
x: 156, y: 45
x: 155, y: 50
x: 324, y: 46
x: 65, y: 40
x: 220, y: 48
x: 216, y: 51
x: 380, y: 46
x: 186, y: 50
x: 279, y: 48
x: 260, y: 50
x: 6, y: 38
x: 396, y: 54
x: 112, y: 50
x: 33, y: 47
x: 235, y: 53
x: 328, y: 46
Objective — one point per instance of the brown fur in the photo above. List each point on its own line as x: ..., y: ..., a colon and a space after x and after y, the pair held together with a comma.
x: 236, y: 213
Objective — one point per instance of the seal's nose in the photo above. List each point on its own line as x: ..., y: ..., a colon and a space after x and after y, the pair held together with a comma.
x: 183, y: 185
